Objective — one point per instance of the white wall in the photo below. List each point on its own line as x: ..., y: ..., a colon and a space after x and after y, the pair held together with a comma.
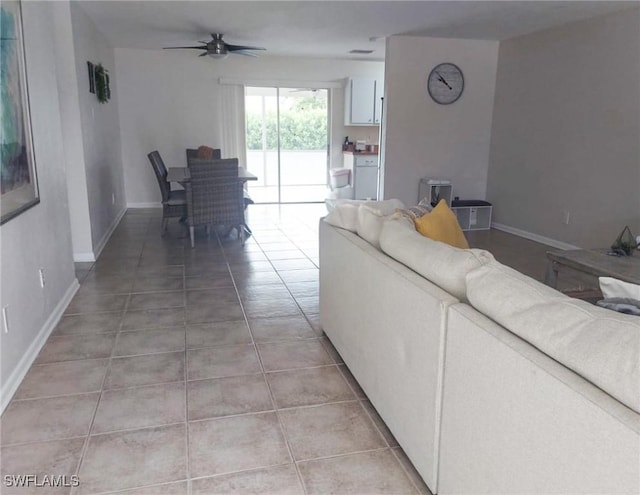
x: 169, y: 101
x: 39, y: 237
x: 100, y: 127
x: 566, y: 133
x: 68, y: 95
x: 424, y: 139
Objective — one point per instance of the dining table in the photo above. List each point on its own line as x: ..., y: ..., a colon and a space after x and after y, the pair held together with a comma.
x: 182, y: 175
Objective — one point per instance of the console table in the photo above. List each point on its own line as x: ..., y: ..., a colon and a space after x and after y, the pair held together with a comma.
x: 594, y: 262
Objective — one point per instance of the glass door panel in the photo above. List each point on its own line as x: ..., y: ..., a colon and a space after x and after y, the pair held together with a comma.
x: 287, y: 144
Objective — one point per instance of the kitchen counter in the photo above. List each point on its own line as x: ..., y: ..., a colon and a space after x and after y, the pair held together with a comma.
x: 374, y: 153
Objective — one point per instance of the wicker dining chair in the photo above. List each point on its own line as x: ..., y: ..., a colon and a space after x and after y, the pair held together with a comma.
x: 174, y: 203
x: 193, y: 154
x: 215, y: 199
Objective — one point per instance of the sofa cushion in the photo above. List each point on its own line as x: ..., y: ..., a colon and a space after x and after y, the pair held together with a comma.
x: 442, y: 225
x: 343, y: 213
x: 612, y: 287
x: 371, y: 220
x: 598, y: 344
x: 444, y: 265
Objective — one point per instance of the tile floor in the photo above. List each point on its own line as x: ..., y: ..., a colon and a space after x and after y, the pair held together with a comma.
x: 179, y: 370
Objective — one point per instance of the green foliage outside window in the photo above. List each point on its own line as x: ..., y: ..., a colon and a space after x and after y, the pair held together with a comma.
x: 302, y: 127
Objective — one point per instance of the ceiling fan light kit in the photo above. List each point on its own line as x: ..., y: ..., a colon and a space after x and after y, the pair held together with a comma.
x: 219, y: 49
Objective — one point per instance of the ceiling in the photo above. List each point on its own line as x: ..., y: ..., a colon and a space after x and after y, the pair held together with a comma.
x: 328, y: 29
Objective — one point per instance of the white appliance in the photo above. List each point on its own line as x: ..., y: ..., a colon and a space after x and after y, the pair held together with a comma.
x: 366, y: 177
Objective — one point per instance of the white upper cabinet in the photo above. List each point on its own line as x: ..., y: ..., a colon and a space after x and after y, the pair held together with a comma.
x: 363, y: 98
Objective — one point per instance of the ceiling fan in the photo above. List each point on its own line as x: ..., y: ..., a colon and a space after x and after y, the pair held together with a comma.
x: 218, y: 48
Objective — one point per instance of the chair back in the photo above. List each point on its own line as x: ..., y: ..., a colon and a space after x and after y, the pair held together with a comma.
x: 160, y: 170
x: 192, y: 154
x: 226, y: 167
x: 214, y: 199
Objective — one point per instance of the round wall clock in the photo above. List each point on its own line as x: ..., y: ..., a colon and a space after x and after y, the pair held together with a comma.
x: 445, y: 83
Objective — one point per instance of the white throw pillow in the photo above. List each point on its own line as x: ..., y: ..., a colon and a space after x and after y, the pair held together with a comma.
x: 612, y: 288
x: 345, y: 211
x: 444, y: 265
x: 371, y: 220
x: 598, y: 344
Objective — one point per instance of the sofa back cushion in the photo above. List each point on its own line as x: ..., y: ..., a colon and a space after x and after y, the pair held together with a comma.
x: 444, y: 265
x: 598, y: 344
x: 343, y: 213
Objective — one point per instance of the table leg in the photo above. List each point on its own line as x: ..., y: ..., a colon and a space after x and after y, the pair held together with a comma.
x: 551, y: 277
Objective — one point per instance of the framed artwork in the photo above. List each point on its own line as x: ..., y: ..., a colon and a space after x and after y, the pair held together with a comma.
x: 92, y: 77
x: 18, y: 181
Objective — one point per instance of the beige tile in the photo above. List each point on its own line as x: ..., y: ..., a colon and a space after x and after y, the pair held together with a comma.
x: 89, y: 323
x: 380, y: 424
x: 139, y: 407
x: 145, y: 370
x: 271, y: 308
x: 314, y: 321
x: 74, y: 347
x: 280, y: 329
x: 330, y: 429
x: 257, y: 278
x: 137, y: 458
x: 158, y: 283
x: 70, y: 377
x: 309, y: 305
x: 209, y: 282
x: 220, y: 333
x: 228, y: 396
x: 264, y: 292
x: 214, y: 313
x: 326, y: 343
x: 175, y: 488
x: 373, y: 473
x: 54, y: 418
x: 303, y: 289
x: 278, y: 480
x: 218, y: 362
x: 96, y: 303
x: 309, y: 386
x: 411, y: 472
x: 294, y: 276
x: 290, y: 355
x: 153, y: 318
x: 353, y: 383
x: 242, y: 442
x: 150, y: 342
x: 157, y: 300
x: 54, y: 458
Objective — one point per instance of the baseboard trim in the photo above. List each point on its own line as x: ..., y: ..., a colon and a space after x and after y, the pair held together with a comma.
x: 533, y: 237
x: 92, y: 256
x: 107, y: 235
x: 84, y: 257
x: 9, y: 387
x: 144, y: 205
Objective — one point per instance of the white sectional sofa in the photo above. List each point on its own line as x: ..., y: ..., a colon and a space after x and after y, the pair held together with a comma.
x: 490, y: 381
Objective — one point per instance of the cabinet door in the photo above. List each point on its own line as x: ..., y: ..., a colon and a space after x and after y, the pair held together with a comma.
x: 379, y: 94
x: 363, y: 92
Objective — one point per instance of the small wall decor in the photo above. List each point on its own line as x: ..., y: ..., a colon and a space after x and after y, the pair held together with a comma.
x: 103, y: 91
x: 92, y: 77
x: 18, y: 181
x: 624, y: 243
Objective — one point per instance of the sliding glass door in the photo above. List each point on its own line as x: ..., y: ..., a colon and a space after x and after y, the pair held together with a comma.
x: 287, y: 144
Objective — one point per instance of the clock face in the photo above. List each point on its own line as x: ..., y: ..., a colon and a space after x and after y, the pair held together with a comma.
x: 445, y: 83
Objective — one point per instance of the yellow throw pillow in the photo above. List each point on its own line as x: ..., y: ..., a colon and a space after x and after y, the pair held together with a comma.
x: 442, y: 225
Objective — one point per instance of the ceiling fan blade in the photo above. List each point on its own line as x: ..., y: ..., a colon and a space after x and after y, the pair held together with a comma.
x: 235, y: 48
x: 203, y: 54
x: 184, y: 47
x: 243, y: 52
